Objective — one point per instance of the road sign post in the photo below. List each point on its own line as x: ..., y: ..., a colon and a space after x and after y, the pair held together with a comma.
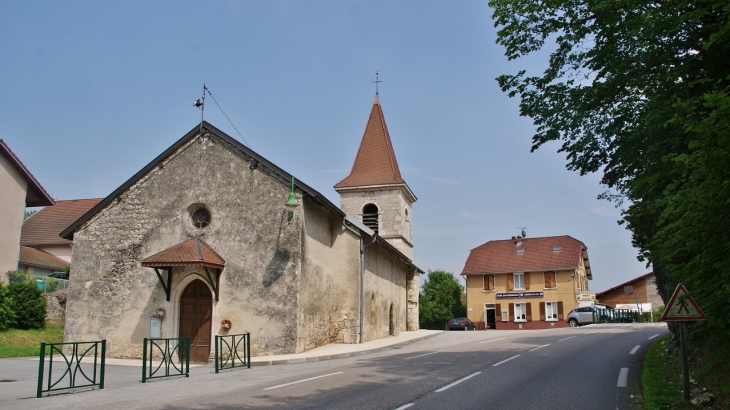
x: 682, y: 308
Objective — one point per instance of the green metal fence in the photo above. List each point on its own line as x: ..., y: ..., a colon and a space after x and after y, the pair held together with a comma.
x: 232, y: 351
x: 616, y: 316
x: 76, y: 372
x: 166, y: 352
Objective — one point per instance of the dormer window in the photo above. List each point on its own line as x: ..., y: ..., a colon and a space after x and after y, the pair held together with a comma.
x: 370, y: 217
x: 520, y: 251
x: 557, y: 248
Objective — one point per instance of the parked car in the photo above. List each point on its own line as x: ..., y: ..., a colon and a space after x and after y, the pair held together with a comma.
x: 59, y: 275
x: 584, y: 315
x: 461, y: 323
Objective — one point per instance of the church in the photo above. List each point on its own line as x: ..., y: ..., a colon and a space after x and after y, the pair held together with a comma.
x: 215, y: 239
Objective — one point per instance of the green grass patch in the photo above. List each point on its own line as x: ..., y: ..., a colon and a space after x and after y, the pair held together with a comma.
x: 709, y: 363
x: 22, y: 343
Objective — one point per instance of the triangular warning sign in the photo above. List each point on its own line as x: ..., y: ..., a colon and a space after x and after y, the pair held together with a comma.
x: 682, y: 307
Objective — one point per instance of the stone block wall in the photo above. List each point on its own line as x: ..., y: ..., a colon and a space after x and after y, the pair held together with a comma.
x: 55, y: 308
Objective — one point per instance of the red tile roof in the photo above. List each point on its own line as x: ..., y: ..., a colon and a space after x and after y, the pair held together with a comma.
x: 44, y: 227
x: 35, y: 194
x: 501, y: 256
x: 644, y: 276
x: 36, y: 257
x: 375, y: 163
x: 193, y: 252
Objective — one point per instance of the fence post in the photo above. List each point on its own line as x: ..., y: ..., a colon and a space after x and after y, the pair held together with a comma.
x: 40, y: 370
x: 216, y: 353
x: 187, y: 357
x: 103, y: 361
x: 248, y: 349
x: 144, y: 360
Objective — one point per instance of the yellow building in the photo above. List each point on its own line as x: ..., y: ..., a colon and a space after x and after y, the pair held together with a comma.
x: 523, y: 283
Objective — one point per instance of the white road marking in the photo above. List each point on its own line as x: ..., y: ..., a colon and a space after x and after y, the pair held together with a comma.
x: 505, y: 360
x: 633, y: 351
x: 448, y: 386
x: 302, y: 381
x: 540, y: 347
x: 491, y: 340
x: 654, y: 336
x: 566, y: 338
x: 421, y: 355
x: 597, y: 331
x: 405, y: 406
x: 623, y: 377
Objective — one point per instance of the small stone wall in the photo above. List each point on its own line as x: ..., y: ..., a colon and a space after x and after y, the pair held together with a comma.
x: 56, y: 308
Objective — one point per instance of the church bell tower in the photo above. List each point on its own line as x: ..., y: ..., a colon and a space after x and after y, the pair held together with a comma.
x: 375, y: 192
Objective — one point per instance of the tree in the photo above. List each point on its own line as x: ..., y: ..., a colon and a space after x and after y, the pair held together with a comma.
x: 28, y: 214
x: 639, y: 90
x: 440, y: 301
x: 28, y: 305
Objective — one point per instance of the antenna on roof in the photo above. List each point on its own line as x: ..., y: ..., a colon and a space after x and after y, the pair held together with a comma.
x: 200, y: 104
x: 376, y: 82
x: 524, y: 235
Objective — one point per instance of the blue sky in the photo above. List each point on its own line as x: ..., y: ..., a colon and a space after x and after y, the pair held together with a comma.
x: 93, y: 91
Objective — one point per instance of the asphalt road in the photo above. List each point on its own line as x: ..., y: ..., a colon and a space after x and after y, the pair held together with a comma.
x: 592, y: 367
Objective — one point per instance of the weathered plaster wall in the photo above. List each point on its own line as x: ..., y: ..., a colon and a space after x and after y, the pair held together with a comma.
x: 394, y: 214
x: 385, y: 285
x: 55, y: 308
x: 330, y: 280
x: 111, y: 296
x: 13, y: 186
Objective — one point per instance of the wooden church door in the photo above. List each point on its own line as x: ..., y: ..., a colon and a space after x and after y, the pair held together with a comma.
x: 196, y: 311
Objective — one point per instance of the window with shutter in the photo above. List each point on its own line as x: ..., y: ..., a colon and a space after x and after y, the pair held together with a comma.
x: 518, y: 281
x: 551, y: 311
x: 527, y: 280
x: 511, y: 312
x: 528, y: 311
x: 550, y: 282
x: 560, y: 311
x: 510, y: 282
x: 488, y: 282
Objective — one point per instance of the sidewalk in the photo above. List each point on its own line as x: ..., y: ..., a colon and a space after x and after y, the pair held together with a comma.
x: 326, y: 352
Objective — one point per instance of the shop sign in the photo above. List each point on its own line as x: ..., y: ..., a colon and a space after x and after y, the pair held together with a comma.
x: 519, y: 295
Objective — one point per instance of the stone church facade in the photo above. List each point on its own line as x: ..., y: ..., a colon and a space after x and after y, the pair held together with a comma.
x: 201, y: 237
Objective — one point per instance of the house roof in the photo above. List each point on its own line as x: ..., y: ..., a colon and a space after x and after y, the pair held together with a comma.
x: 375, y: 162
x: 35, y: 195
x: 624, y: 284
x: 257, y: 160
x: 44, y: 227
x: 192, y: 252
x: 37, y: 257
x: 502, y: 256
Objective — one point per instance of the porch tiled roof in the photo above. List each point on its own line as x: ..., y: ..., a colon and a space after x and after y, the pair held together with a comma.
x: 192, y: 252
x: 36, y: 257
x: 44, y: 227
x: 502, y: 255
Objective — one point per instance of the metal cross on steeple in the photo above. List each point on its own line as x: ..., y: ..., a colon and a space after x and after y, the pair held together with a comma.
x: 376, y: 82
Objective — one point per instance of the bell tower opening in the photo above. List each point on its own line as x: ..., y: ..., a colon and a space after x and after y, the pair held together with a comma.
x: 370, y: 217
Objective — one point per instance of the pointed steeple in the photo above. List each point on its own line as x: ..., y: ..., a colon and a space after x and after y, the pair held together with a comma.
x: 375, y: 163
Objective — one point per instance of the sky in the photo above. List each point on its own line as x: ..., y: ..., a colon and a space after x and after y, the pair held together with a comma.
x: 93, y: 91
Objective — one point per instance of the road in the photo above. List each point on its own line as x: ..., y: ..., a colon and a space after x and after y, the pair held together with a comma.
x: 592, y: 367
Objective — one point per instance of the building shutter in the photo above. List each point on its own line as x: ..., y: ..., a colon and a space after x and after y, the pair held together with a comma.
x: 550, y: 279
x: 510, y: 282
x: 542, y: 310
x: 511, y: 312
x: 560, y: 310
x: 491, y: 282
x: 527, y: 280
x: 498, y: 312
x: 529, y: 311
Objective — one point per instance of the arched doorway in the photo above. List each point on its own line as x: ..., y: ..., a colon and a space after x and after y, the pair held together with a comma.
x: 196, y: 311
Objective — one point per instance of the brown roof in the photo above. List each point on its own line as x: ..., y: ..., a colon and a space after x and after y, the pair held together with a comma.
x: 44, y: 227
x: 502, y: 257
x: 193, y: 252
x: 644, y: 276
x: 375, y: 163
x: 36, y: 257
x: 35, y: 194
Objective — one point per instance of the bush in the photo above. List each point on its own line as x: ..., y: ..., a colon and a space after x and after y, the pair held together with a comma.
x: 52, y: 285
x: 7, y: 317
x: 17, y: 276
x: 28, y: 305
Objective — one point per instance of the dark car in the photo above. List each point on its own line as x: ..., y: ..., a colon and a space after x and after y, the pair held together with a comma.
x: 59, y: 275
x: 461, y: 323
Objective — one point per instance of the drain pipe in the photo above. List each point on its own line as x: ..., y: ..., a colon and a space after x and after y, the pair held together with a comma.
x: 347, y: 220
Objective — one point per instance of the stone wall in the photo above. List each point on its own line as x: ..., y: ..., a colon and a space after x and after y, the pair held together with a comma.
x: 55, y: 308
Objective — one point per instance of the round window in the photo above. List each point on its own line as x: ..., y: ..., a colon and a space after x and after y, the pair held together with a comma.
x: 200, y: 218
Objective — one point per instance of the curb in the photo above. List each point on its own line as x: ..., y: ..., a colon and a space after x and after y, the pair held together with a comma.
x: 275, y: 361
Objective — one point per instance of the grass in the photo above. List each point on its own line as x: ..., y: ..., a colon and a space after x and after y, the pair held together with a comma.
x: 709, y: 367
x: 22, y: 343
